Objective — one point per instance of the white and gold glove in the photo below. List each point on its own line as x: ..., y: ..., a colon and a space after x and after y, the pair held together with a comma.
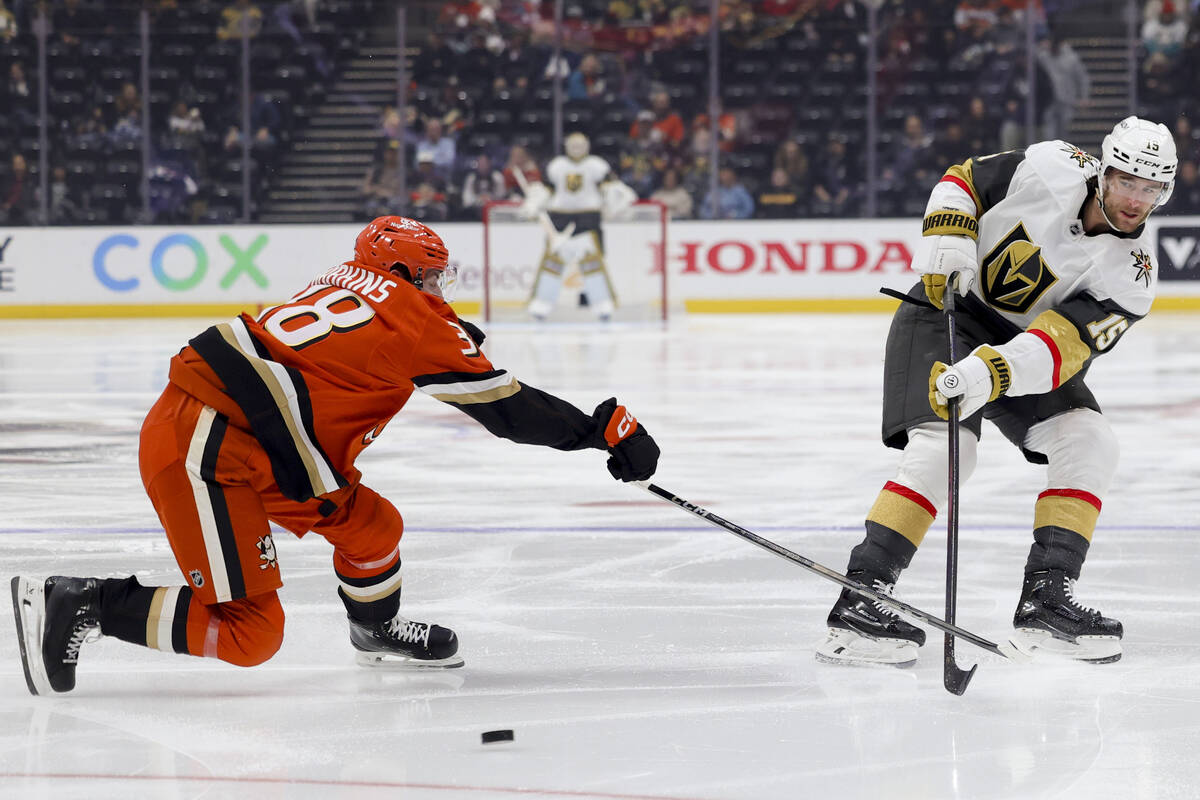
x: 947, y: 247
x: 977, y: 380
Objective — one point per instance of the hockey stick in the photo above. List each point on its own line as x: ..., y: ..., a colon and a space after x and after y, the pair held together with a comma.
x: 954, y: 677
x: 554, y: 236
x: 825, y: 572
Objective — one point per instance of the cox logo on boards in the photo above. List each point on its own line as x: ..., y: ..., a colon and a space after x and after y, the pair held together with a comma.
x: 188, y: 258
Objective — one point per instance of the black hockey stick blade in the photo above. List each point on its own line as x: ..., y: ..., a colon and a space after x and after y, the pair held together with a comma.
x: 1006, y: 650
x: 954, y: 677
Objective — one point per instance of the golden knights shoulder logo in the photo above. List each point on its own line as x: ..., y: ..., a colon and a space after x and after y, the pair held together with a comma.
x: 1014, y: 273
x: 1081, y: 156
x: 1141, y: 263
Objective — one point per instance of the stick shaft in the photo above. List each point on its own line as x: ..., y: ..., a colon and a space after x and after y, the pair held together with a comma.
x: 953, y: 676
x: 823, y: 571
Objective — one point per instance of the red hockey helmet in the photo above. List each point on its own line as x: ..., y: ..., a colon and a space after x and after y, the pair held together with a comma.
x: 389, y: 242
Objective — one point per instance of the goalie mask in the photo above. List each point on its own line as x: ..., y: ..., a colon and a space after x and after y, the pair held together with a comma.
x: 410, y: 249
x: 1144, y: 150
x: 577, y: 146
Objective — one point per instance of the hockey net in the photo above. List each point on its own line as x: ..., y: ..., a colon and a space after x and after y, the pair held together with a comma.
x: 634, y: 254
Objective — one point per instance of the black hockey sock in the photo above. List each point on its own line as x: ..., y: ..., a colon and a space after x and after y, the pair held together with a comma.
x: 1057, y: 548
x: 883, y: 553
x: 379, y: 610
x: 143, y: 615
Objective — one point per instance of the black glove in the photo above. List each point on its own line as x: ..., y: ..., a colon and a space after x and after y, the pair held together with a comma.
x: 633, y: 454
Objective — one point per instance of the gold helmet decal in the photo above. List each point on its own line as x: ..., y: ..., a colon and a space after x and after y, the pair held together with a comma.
x: 1014, y: 273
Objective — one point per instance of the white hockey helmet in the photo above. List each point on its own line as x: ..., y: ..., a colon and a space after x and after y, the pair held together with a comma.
x: 1142, y: 148
x: 577, y: 146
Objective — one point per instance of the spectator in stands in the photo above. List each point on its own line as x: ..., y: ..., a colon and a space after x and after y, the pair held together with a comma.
x: 17, y: 195
x: 1186, y: 143
x: 394, y: 127
x: 91, y: 131
x: 953, y: 146
x: 483, y: 185
x: 979, y: 128
x: 1186, y: 197
x: 519, y: 161
x: 587, y: 81
x: 834, y: 190
x: 1013, y: 135
x: 732, y: 201
x: 455, y: 109
x: 427, y: 172
x: 265, y: 113
x: 975, y: 18
x: 185, y: 124
x: 791, y: 158
x: 671, y: 194
x: 1070, y: 84
x: 664, y: 126
x: 232, y: 141
x: 1163, y: 36
x: 382, y: 183
x: 127, y: 102
x: 63, y: 206
x: 912, y: 162
x: 519, y: 63
x: 778, y: 199
x: 172, y: 189
x: 440, y: 148
x: 242, y: 16
x: 1007, y: 40
x: 434, y: 62
x: 428, y: 204
x: 8, y: 24
x: 638, y: 172
x: 727, y: 128
x: 18, y: 96
x: 128, y: 129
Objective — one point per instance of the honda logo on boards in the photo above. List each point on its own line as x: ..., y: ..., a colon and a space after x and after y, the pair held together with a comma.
x: 734, y: 256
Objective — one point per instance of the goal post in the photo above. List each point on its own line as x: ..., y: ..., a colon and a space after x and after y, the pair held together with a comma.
x: 635, y: 248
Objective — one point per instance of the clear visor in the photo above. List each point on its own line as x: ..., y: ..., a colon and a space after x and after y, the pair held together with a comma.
x: 1128, y: 188
x: 442, y: 283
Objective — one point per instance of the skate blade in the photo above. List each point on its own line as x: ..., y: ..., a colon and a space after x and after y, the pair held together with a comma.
x: 29, y: 611
x: 847, y: 648
x: 397, y: 662
x: 1034, y: 642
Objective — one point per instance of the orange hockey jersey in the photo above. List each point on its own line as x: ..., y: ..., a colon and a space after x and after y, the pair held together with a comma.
x: 317, y: 378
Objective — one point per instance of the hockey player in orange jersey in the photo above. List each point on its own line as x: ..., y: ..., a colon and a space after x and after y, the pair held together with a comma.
x: 261, y: 422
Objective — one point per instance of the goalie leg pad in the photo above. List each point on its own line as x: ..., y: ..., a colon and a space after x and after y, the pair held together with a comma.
x: 546, y: 285
x: 598, y: 287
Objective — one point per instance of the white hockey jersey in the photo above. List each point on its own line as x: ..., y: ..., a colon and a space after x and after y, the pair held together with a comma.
x: 576, y: 183
x: 1038, y: 270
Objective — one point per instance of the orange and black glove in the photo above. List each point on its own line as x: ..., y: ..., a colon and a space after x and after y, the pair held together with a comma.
x: 633, y: 453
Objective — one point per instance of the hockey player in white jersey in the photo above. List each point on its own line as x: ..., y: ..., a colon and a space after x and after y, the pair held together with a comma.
x: 584, y: 188
x: 1050, y: 257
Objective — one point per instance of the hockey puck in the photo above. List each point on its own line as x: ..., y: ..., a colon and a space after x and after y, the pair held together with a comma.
x: 491, y: 737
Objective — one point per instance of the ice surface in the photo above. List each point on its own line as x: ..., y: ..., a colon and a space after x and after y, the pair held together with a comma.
x: 636, y: 651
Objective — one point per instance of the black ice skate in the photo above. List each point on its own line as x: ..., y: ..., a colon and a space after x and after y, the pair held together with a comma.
x: 54, y: 617
x: 865, y: 631
x: 399, y: 642
x: 1050, y: 620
